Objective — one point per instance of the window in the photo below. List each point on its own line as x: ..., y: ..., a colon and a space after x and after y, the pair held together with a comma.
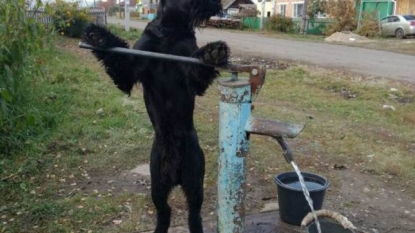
x: 385, y: 20
x: 394, y: 19
x: 283, y: 9
x: 232, y: 11
x: 409, y: 17
x: 297, y: 10
x: 268, y: 14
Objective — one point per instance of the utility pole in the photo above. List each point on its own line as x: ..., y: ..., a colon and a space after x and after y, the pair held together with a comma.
x: 262, y: 14
x: 119, y: 8
x: 274, y: 7
x: 127, y: 14
x: 303, y: 27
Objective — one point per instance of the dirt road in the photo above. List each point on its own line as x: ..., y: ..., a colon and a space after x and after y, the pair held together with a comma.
x: 359, y: 60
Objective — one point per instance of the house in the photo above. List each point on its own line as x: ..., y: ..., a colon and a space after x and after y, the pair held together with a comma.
x: 381, y: 8
x: 232, y: 7
x: 132, y: 3
x: 290, y: 8
x: 386, y: 7
x: 269, y: 7
x: 147, y: 6
x: 107, y: 5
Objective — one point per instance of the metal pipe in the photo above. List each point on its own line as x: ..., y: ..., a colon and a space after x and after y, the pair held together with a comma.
x: 277, y: 130
x: 394, y: 7
x: 273, y: 128
x: 141, y: 53
x: 234, y: 111
x: 162, y: 56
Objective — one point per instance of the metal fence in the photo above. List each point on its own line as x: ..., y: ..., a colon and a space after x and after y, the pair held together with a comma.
x: 314, y: 26
x: 98, y: 16
x: 40, y: 16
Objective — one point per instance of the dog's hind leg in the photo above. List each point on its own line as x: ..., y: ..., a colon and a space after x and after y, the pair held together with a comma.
x: 192, y: 184
x: 193, y: 190
x: 160, y: 193
x: 161, y: 186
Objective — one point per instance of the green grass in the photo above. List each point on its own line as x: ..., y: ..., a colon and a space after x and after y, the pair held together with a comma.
x: 356, y: 132
x: 43, y: 184
x: 133, y: 34
x: 347, y: 130
x: 71, y: 93
x: 405, y: 46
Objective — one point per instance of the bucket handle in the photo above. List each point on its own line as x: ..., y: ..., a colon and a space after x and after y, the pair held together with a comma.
x: 329, y: 214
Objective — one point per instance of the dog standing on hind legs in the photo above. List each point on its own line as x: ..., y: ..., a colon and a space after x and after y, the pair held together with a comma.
x: 169, y: 90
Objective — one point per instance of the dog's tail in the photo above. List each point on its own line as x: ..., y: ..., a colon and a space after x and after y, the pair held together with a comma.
x: 118, y: 66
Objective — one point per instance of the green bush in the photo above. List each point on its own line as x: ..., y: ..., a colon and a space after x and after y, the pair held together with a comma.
x: 69, y: 19
x: 134, y: 14
x: 133, y: 34
x: 20, y: 39
x: 116, y: 11
x: 279, y: 23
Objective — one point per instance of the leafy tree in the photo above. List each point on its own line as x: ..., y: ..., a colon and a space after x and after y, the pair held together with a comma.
x: 343, y: 12
x: 316, y: 6
x: 69, y: 19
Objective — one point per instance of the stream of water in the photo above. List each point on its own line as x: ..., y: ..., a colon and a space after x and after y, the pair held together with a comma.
x: 307, y: 195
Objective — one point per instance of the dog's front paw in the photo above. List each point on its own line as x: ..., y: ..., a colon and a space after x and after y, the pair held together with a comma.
x: 97, y: 36
x: 214, y: 53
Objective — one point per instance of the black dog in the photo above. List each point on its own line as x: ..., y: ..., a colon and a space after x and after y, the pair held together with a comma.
x: 170, y: 89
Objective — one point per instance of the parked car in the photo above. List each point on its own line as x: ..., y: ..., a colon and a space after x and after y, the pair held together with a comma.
x: 225, y: 16
x: 399, y: 26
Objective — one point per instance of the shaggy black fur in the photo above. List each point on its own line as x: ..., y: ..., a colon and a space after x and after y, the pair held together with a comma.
x: 170, y: 89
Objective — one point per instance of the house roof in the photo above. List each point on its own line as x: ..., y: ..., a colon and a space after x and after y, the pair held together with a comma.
x: 227, y: 3
x: 247, y: 6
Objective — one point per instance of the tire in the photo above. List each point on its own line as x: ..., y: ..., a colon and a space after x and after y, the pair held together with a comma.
x: 399, y: 33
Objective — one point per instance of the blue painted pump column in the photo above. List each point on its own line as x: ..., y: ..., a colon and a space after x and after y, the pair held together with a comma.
x: 234, y: 111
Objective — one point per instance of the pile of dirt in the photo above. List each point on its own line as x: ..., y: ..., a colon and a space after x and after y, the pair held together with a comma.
x: 346, y: 36
x: 270, y: 64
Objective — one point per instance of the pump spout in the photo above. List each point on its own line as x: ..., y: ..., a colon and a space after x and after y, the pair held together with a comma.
x: 286, y: 151
x: 275, y: 129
